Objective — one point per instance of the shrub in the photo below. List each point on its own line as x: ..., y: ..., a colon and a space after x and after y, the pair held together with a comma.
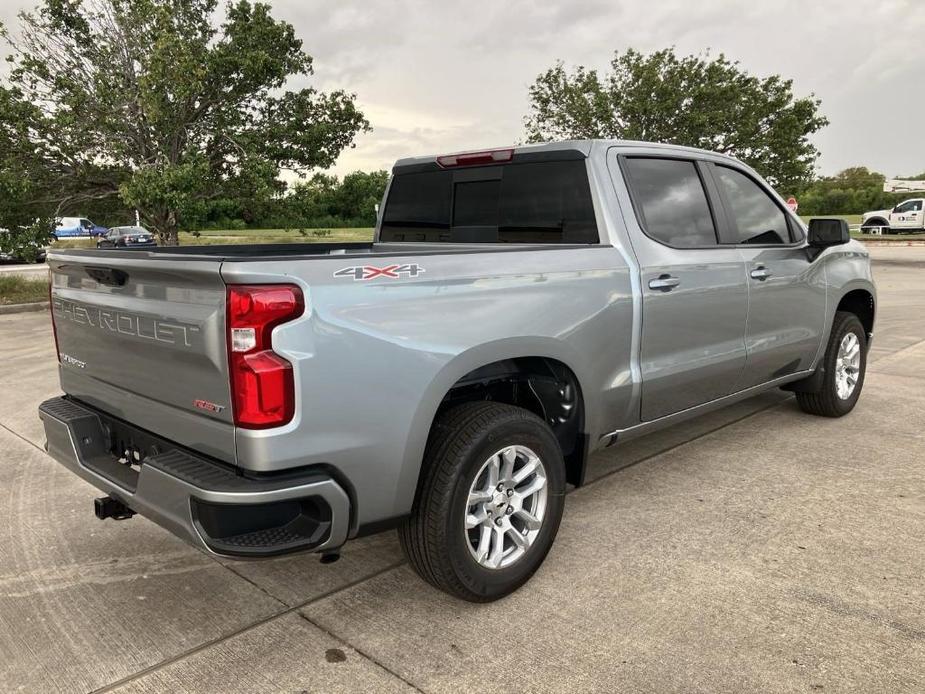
x: 26, y: 243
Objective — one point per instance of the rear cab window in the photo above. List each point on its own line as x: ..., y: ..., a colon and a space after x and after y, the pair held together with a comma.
x: 516, y: 202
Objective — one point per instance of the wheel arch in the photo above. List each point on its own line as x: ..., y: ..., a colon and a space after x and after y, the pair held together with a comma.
x: 527, y: 373
x: 545, y: 386
x: 876, y: 221
x: 860, y: 302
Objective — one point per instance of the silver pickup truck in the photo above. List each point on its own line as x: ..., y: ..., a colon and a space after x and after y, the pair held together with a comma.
x: 517, y: 310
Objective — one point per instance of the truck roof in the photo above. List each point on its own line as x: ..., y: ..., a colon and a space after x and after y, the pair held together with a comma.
x: 583, y: 147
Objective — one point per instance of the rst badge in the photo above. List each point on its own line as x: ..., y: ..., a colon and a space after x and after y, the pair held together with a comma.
x: 371, y: 272
x: 208, y: 406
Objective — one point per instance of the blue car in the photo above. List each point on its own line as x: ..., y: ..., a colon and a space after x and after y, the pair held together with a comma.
x: 69, y: 227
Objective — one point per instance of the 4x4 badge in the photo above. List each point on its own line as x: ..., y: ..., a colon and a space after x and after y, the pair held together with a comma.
x: 369, y: 272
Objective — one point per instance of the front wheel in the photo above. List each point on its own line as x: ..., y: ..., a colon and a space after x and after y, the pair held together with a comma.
x: 490, y: 503
x: 844, y: 364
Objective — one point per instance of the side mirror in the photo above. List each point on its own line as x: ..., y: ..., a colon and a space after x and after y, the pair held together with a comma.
x: 828, y: 232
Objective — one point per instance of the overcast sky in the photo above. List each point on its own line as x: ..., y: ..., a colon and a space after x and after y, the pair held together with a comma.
x: 438, y: 76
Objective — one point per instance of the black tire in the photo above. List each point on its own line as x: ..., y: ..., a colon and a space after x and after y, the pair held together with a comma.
x: 826, y: 402
x: 434, y: 538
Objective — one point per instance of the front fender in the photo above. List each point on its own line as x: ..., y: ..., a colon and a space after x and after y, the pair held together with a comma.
x: 885, y: 214
x: 847, y: 269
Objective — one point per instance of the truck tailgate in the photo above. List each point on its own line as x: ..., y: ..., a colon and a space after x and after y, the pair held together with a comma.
x: 143, y: 339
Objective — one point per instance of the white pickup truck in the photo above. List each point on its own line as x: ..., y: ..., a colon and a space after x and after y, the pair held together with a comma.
x: 906, y: 216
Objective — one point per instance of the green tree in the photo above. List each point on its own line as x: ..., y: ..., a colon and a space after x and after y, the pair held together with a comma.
x: 311, y: 200
x: 851, y: 191
x: 359, y: 193
x: 692, y: 100
x: 325, y: 200
x: 23, y: 180
x: 153, y: 101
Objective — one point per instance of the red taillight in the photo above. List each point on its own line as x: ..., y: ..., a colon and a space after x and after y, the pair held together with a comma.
x: 51, y: 310
x: 262, y: 384
x: 492, y: 156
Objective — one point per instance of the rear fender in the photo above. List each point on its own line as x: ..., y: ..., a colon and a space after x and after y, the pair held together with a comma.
x: 452, y: 372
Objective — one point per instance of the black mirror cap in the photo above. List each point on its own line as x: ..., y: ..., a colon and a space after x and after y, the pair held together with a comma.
x: 825, y: 232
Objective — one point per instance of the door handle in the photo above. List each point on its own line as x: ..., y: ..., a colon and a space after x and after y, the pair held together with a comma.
x: 664, y: 283
x: 760, y: 273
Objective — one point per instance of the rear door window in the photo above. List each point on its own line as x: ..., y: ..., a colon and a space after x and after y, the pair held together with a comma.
x: 533, y: 202
x: 671, y: 203
x: 756, y: 218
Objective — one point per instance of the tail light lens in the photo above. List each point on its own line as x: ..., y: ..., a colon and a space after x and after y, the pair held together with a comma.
x: 262, y: 384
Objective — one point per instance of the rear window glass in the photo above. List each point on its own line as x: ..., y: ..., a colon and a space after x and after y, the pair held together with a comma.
x: 536, y: 202
x: 475, y: 203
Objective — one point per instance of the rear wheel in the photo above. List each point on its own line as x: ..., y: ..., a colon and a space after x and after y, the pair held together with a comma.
x: 845, y: 363
x: 490, y: 503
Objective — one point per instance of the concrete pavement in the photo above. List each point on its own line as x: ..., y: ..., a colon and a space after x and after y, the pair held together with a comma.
x: 753, y: 549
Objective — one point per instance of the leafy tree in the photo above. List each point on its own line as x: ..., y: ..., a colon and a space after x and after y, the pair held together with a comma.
x: 692, y: 100
x: 26, y: 242
x: 312, y: 199
x: 359, y: 193
x: 148, y: 100
x: 851, y: 191
x: 22, y: 181
x: 325, y: 200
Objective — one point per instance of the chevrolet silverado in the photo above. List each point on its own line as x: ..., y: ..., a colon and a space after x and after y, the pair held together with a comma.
x: 517, y: 310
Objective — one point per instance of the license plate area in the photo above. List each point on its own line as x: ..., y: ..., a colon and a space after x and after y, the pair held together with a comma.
x: 126, y: 450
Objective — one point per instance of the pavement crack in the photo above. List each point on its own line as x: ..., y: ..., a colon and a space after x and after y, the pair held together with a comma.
x: 843, y: 608
x: 894, y: 353
x: 362, y: 653
x: 887, y: 373
x: 21, y: 437
x: 112, y: 686
x: 253, y: 583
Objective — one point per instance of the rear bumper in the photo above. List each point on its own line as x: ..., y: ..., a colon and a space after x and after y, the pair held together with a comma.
x: 208, y: 504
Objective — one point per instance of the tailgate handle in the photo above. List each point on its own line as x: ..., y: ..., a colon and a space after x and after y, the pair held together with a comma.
x: 108, y: 276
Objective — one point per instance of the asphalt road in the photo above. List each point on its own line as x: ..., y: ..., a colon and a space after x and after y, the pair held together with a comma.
x: 753, y: 549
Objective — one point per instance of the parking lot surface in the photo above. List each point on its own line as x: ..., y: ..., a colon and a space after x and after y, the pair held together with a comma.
x: 752, y: 549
